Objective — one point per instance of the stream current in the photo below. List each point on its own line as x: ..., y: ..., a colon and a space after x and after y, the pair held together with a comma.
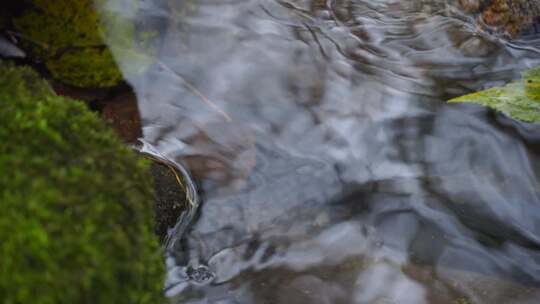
x: 329, y: 167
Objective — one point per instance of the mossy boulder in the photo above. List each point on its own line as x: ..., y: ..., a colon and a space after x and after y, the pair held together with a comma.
x: 76, y: 214
x: 66, y: 36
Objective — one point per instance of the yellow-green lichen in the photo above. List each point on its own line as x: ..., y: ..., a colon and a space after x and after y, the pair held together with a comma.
x: 76, y: 204
x: 519, y: 100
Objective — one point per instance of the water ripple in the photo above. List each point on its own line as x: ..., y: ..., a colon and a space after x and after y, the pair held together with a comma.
x: 331, y: 170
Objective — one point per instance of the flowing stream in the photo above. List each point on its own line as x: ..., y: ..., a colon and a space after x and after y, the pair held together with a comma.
x: 329, y: 167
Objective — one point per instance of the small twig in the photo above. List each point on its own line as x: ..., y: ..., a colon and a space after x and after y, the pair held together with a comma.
x: 196, y: 92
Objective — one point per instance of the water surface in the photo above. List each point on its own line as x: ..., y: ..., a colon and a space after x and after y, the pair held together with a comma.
x: 330, y: 168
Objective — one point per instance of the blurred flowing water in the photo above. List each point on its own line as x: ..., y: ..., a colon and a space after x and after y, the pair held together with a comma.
x: 330, y: 168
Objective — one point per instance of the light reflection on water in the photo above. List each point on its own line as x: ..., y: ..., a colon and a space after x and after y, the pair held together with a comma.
x: 330, y: 168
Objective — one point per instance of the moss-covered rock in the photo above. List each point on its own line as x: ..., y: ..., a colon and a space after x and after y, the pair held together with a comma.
x: 91, y: 66
x: 75, y: 203
x: 65, y: 35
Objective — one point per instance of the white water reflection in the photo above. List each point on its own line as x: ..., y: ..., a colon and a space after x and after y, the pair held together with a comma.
x: 385, y: 283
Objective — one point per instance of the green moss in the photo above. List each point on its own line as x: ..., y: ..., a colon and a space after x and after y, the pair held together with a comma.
x: 56, y: 30
x: 70, y: 66
x: 76, y: 27
x: 67, y: 36
x: 76, y: 204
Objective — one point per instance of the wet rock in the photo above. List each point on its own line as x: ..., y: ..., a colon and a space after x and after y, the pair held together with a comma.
x: 84, y: 94
x: 170, y: 198
x: 122, y: 114
x: 226, y: 156
x: 310, y: 289
x: 496, y: 14
x: 513, y: 17
x: 470, y: 6
x: 200, y: 274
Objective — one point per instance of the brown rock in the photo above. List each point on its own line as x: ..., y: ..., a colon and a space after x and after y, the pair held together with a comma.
x: 492, y: 17
x: 122, y: 114
x: 470, y: 6
x: 510, y: 17
x: 84, y: 94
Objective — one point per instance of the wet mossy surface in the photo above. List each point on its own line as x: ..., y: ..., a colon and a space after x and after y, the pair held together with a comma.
x: 76, y: 219
x: 65, y: 35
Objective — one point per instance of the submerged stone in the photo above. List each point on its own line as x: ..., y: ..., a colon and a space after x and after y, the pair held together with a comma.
x: 514, y: 17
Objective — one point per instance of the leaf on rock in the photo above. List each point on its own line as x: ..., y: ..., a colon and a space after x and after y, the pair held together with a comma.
x: 511, y: 100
